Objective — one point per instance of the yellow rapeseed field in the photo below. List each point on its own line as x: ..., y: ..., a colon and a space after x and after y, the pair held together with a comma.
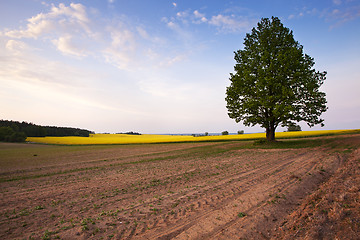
x: 149, y: 138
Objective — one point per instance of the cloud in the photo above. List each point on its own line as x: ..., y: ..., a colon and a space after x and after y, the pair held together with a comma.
x: 32, y: 31
x: 28, y: 74
x: 142, y: 32
x: 63, y: 26
x: 71, y: 30
x: 224, y: 23
x: 171, y: 25
x: 74, y: 11
x: 342, y: 12
x: 122, y: 48
x: 21, y: 64
x: 68, y: 47
x: 182, y: 14
x: 304, y: 12
x: 174, y: 4
x: 200, y: 16
x: 343, y: 15
x: 122, y: 39
x: 59, y: 17
x: 292, y: 16
x: 172, y: 60
x: 16, y: 47
x: 230, y: 23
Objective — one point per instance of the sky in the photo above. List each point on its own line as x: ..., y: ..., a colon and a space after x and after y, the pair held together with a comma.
x: 160, y: 66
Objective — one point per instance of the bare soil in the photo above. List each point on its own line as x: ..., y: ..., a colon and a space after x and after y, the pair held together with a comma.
x: 309, y: 189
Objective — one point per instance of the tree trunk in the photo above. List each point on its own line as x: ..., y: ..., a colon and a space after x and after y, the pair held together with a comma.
x: 270, y: 134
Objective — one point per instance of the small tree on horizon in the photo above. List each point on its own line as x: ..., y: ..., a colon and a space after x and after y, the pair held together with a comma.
x: 293, y: 128
x: 274, y: 81
x: 225, y: 133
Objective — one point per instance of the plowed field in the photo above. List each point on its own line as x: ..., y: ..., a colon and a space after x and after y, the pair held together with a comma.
x: 226, y: 190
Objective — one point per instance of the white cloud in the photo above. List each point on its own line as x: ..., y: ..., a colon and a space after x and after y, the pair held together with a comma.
x: 20, y: 64
x: 172, y: 60
x: 200, y: 16
x: 75, y: 11
x: 32, y: 31
x: 142, y: 32
x: 174, y: 4
x: 292, y: 16
x: 171, y: 25
x: 230, y: 23
x: 182, y: 14
x: 16, y: 47
x: 63, y: 26
x: 67, y: 47
x: 58, y: 18
x: 122, y: 48
x: 224, y: 23
x: 344, y: 11
x: 342, y: 15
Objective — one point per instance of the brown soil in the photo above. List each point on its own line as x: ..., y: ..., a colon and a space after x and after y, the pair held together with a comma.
x: 181, y: 191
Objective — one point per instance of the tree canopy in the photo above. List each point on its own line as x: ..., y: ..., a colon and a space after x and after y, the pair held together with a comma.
x: 274, y: 82
x: 33, y: 130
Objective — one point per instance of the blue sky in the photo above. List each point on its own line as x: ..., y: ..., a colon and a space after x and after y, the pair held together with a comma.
x: 159, y: 66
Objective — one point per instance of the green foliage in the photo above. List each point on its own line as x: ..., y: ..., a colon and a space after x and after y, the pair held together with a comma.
x: 241, y: 214
x: 5, y: 132
x: 225, y: 133
x: 293, y: 128
x: 9, y: 135
x: 240, y: 132
x: 32, y: 130
x: 274, y: 81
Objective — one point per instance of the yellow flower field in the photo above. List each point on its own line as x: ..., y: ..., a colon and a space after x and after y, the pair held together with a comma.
x: 149, y: 138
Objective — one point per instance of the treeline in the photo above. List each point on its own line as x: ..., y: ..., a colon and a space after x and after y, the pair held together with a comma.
x: 130, y: 133
x: 13, y: 131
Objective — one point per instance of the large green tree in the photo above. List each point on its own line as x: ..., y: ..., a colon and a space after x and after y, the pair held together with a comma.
x: 274, y: 82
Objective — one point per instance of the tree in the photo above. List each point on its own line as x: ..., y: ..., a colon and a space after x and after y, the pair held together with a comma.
x: 293, y: 128
x: 9, y: 135
x: 225, y: 133
x: 17, y: 137
x: 274, y: 81
x: 5, y: 132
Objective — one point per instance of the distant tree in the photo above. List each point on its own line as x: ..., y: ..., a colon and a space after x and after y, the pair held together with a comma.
x: 225, y: 133
x: 206, y: 134
x: 17, y: 137
x: 5, y: 133
x: 133, y: 133
x: 241, y: 132
x: 33, y: 130
x: 274, y: 81
x: 293, y: 127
